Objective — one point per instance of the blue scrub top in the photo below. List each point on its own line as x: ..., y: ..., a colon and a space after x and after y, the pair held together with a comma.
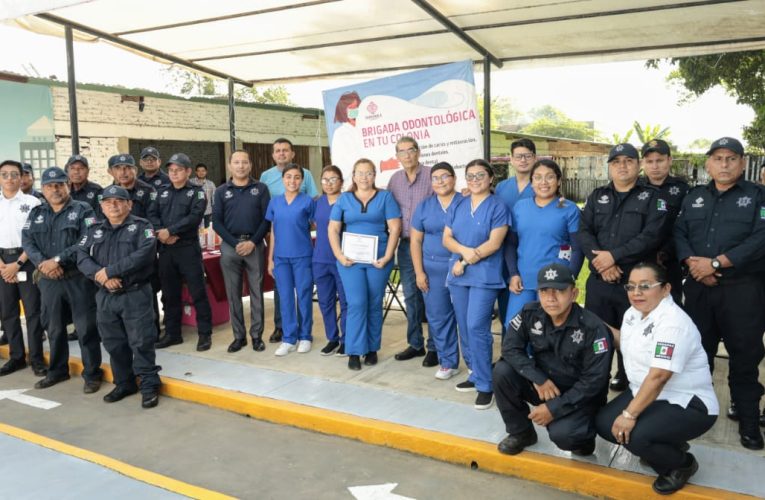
x: 545, y: 235
x: 430, y: 218
x: 273, y: 179
x: 322, y: 252
x: 291, y: 225
x: 473, y: 229
x: 507, y: 190
x: 371, y: 220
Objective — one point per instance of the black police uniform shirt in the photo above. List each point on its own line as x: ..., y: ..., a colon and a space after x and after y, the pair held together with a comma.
x: 48, y: 234
x: 88, y: 193
x: 672, y: 191
x: 142, y: 195
x: 632, y: 225
x: 731, y: 222
x: 180, y: 211
x: 576, y: 356
x: 241, y: 210
x: 157, y: 181
x: 127, y: 251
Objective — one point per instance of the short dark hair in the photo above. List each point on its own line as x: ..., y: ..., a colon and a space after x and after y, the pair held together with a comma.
x: 283, y: 140
x: 480, y: 162
x: 659, y: 271
x: 293, y: 166
x: 552, y: 165
x: 523, y: 143
x: 334, y: 169
x: 13, y: 163
x: 442, y: 165
x: 200, y: 165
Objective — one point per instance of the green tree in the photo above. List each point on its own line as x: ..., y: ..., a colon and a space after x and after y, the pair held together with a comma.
x: 649, y: 132
x: 621, y: 139
x: 741, y: 74
x: 502, y: 111
x: 700, y: 145
x: 552, y: 122
x: 192, y: 84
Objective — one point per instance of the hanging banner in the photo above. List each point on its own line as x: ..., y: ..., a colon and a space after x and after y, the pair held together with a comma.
x: 436, y: 106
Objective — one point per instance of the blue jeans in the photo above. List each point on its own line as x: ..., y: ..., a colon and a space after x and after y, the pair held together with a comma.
x: 415, y: 306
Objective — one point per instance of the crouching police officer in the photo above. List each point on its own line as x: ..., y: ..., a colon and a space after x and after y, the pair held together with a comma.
x: 176, y: 217
x: 118, y: 254
x: 50, y: 238
x: 720, y: 237
x: 566, y: 376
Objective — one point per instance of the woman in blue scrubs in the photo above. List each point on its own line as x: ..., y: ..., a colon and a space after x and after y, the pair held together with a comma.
x: 365, y: 210
x: 289, y: 260
x: 329, y: 286
x: 431, y: 266
x: 542, y: 231
x: 475, y: 231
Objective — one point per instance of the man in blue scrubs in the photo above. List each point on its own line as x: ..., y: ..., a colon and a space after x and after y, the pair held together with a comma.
x: 283, y: 154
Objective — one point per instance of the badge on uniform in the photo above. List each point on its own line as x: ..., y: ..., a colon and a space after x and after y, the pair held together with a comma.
x: 189, y: 193
x: 139, y: 193
x: 661, y: 205
x: 165, y: 194
x: 24, y: 208
x: 516, y: 322
x: 603, y: 200
x: 131, y: 228
x: 600, y: 346
x: 578, y: 336
x: 201, y: 195
x: 644, y: 196
x: 89, y: 221
x: 537, y: 328
x: 648, y: 330
x: 762, y: 213
x: 664, y: 350
x: 148, y: 233
x: 72, y: 216
x: 90, y: 195
x: 564, y: 252
x: 699, y: 203
x: 228, y: 195
x: 744, y: 202
x: 674, y: 190
x: 40, y: 219
x: 152, y: 196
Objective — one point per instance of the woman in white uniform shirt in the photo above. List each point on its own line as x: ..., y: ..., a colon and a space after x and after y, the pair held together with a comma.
x: 671, y: 399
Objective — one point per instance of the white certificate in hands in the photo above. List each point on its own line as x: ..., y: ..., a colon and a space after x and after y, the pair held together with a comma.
x: 361, y: 248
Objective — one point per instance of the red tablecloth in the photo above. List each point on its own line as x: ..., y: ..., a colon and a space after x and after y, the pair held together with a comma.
x: 214, y: 276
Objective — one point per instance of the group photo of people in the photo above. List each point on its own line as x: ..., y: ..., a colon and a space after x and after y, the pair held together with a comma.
x: 672, y: 271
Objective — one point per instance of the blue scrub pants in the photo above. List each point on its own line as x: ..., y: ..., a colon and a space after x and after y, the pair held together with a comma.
x: 329, y: 288
x: 517, y: 302
x: 415, y: 306
x: 364, y: 287
x: 294, y: 277
x: 473, y: 307
x: 442, y: 324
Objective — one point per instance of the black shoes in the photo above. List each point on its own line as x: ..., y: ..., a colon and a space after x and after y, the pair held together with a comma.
x: 91, y: 386
x: 751, y: 437
x: 330, y: 348
x: 39, y: 370
x: 258, y: 345
x: 431, y: 359
x: 150, y: 399
x: 276, y: 337
x: 619, y: 383
x: 167, y: 341
x: 204, y: 343
x: 12, y: 366
x: 237, y: 345
x: 409, y: 353
x: 119, y: 393
x: 50, y: 382
x: 667, y: 484
x: 512, y: 445
x: 466, y: 386
x: 585, y: 450
x: 3, y: 340
x: 354, y: 363
x: 484, y: 400
x: 341, y: 350
x: 370, y: 359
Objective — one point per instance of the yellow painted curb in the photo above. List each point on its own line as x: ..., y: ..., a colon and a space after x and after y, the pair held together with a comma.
x: 128, y: 470
x: 561, y: 473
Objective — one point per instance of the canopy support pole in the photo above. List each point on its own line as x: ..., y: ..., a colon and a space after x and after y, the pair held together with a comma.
x: 72, y: 84
x: 487, y: 108
x: 231, y: 115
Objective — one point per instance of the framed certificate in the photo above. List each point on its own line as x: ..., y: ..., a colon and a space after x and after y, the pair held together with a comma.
x: 361, y: 248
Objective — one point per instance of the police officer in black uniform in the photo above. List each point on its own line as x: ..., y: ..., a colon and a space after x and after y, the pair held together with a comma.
x: 657, y: 161
x: 566, y: 376
x: 176, y: 217
x: 50, y: 239
x: 80, y: 188
x: 622, y: 223
x: 720, y: 237
x: 152, y: 174
x: 28, y: 182
x: 118, y: 254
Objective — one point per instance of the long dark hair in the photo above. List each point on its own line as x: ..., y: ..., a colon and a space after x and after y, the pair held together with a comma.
x: 335, y: 170
x: 558, y: 174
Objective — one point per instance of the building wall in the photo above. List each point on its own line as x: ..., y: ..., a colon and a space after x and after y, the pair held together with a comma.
x: 209, y: 153
x: 96, y: 149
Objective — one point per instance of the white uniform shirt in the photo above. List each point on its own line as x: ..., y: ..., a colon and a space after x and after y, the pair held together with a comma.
x: 667, y: 339
x: 13, y: 215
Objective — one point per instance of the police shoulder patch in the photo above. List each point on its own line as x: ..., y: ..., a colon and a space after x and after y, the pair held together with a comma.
x: 148, y: 233
x: 600, y: 346
x: 152, y: 196
x: 89, y: 221
x: 664, y: 350
x: 516, y: 322
x: 201, y: 195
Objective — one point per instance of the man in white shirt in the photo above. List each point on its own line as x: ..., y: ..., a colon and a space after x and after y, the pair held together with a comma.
x: 16, y: 274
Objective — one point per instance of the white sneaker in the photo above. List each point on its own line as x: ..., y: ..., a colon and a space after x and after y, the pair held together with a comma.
x: 303, y: 346
x: 284, y: 349
x: 446, y: 373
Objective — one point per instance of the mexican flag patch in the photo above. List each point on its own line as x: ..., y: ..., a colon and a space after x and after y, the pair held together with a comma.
x: 89, y: 221
x: 664, y: 350
x: 148, y: 233
x: 201, y: 195
x: 600, y: 346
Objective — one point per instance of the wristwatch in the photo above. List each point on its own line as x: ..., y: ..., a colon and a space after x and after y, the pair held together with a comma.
x: 628, y: 415
x: 19, y: 263
x: 57, y: 259
x: 716, y: 264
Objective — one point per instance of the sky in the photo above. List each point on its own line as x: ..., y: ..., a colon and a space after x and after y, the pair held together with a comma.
x: 612, y: 95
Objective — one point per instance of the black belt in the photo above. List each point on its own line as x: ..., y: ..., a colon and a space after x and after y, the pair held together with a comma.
x: 12, y: 251
x: 242, y: 237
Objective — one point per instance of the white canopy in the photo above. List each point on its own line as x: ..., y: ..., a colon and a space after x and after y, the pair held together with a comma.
x: 290, y: 40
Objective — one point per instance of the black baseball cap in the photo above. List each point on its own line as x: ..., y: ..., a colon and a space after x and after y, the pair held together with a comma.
x: 77, y: 158
x: 179, y: 159
x: 121, y: 160
x: 115, y: 192
x: 26, y: 167
x: 150, y: 151
x: 53, y: 175
x: 656, y: 146
x: 555, y: 275
x: 727, y: 143
x: 624, y: 149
